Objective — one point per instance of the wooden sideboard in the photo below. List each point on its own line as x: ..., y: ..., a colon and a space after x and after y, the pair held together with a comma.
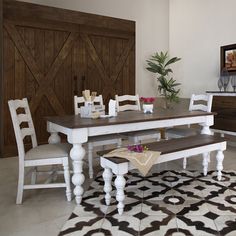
x: 224, y: 103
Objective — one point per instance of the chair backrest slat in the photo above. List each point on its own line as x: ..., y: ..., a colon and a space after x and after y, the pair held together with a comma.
x: 17, y: 120
x: 26, y: 132
x: 207, y: 98
x: 22, y: 118
x: 128, y: 107
x: 79, y: 101
x: 20, y: 104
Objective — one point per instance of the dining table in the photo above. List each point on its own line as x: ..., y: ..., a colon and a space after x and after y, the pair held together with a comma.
x: 78, y: 130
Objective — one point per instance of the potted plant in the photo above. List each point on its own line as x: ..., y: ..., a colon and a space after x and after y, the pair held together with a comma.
x: 168, y: 87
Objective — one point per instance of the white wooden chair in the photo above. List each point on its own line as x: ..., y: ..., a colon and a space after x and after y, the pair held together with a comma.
x: 95, y: 141
x: 43, y: 155
x: 132, y: 103
x: 201, y: 102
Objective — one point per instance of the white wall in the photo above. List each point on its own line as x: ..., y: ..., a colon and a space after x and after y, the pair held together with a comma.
x: 152, y: 28
x: 197, y: 30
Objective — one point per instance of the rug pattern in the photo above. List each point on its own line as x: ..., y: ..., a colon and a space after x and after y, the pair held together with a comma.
x: 164, y: 203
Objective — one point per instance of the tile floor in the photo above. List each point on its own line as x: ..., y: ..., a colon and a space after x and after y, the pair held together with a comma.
x: 163, y: 203
x: 44, y: 212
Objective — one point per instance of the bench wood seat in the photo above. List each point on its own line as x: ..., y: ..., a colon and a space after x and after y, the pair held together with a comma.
x: 170, y: 150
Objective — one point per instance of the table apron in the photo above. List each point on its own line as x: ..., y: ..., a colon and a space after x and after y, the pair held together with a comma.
x: 80, y: 135
x: 129, y: 127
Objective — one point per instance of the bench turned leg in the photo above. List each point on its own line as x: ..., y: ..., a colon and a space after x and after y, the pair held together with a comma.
x: 120, y: 196
x: 219, y: 167
x: 107, y: 176
x: 205, y: 163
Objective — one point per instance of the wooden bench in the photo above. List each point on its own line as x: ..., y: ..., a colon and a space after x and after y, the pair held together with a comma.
x: 170, y: 150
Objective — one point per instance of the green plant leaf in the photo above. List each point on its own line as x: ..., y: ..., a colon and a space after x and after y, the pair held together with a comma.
x: 159, y: 64
x: 155, y: 68
x: 172, y: 60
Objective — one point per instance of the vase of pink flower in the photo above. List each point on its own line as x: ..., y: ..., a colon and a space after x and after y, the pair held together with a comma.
x: 147, y: 104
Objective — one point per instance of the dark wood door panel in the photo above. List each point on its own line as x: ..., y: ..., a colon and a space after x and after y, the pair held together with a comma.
x: 39, y: 67
x: 8, y: 85
x: 50, y: 58
x: 110, y: 63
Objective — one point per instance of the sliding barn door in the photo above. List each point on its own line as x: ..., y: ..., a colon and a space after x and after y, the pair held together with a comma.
x: 39, y: 67
x: 107, y: 65
x: 49, y: 61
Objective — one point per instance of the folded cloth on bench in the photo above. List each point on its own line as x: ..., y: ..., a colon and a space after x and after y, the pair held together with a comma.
x: 143, y: 161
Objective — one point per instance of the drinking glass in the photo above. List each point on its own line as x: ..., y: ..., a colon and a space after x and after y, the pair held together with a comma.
x: 233, y: 82
x: 220, y: 84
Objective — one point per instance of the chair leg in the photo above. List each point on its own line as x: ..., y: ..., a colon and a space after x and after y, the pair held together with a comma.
x: 90, y: 160
x: 20, y: 188
x: 120, y: 196
x: 34, y: 176
x: 209, y: 157
x: 136, y: 140
x: 54, y: 169
x: 67, y: 180
x: 119, y: 143
x: 107, y: 177
x: 184, y: 163
x: 158, y: 137
x: 205, y: 163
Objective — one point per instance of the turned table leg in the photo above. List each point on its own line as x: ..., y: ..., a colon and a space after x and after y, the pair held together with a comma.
x: 77, y: 154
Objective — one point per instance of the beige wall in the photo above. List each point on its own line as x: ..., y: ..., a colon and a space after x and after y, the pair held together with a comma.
x: 152, y: 28
x: 197, y: 30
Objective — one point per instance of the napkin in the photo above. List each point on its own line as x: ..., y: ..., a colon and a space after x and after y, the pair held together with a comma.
x: 143, y: 161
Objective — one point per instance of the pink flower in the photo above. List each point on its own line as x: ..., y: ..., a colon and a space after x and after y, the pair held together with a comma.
x: 147, y: 100
x: 137, y: 148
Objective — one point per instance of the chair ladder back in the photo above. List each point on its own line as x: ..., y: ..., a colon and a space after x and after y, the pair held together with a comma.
x: 202, y: 107
x: 79, y: 101
x: 18, y: 119
x: 128, y: 107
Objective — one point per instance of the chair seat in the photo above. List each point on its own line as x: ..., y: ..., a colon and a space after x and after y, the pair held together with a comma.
x: 48, y: 151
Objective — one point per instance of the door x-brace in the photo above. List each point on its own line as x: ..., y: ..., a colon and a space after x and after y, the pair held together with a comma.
x: 108, y: 81
x: 43, y: 81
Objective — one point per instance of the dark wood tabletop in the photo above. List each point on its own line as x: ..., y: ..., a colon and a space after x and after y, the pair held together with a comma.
x: 75, y: 121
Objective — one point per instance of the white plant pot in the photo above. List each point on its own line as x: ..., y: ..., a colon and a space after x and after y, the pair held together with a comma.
x: 148, y: 108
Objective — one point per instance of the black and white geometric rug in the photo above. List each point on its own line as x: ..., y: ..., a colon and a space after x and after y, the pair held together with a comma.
x: 164, y: 203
